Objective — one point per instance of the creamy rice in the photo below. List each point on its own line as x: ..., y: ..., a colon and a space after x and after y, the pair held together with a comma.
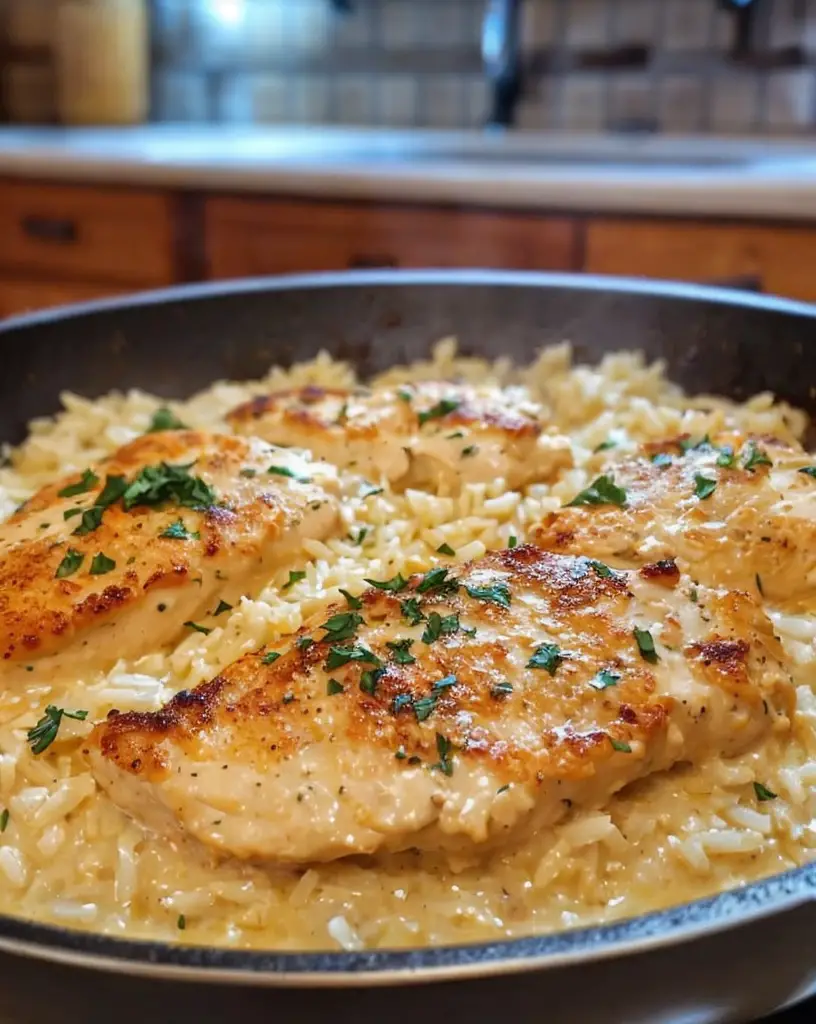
x: 67, y: 855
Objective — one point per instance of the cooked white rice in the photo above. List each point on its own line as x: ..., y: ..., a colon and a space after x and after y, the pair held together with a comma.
x: 67, y: 855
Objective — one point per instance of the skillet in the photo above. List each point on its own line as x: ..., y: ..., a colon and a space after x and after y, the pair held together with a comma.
x: 759, y: 940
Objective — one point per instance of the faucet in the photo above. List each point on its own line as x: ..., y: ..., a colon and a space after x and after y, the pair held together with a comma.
x: 501, y: 57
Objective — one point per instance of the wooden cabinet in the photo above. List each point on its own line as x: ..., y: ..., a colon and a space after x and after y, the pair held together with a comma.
x: 87, y: 233
x: 780, y: 257
x: 258, y: 236
x: 26, y: 295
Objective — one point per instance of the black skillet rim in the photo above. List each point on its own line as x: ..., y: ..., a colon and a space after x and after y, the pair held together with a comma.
x: 730, y: 909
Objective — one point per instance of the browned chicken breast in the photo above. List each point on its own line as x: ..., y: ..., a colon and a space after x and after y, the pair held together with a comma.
x: 431, y: 435
x: 452, y: 711
x: 734, y: 510
x: 113, y: 562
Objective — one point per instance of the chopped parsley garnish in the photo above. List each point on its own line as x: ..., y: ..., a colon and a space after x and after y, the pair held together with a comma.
x: 100, y: 564
x: 400, y: 754
x: 333, y: 688
x: 689, y: 445
x: 620, y: 746
x: 602, y: 491
x: 369, y: 680
x: 661, y: 460
x: 72, y: 560
x: 604, y: 679
x: 341, y: 626
x: 411, y: 611
x: 402, y: 700
x: 401, y: 652
x: 4, y: 820
x: 604, y: 446
x: 178, y: 531
x: 369, y: 490
x: 86, y: 482
x: 646, y: 645
x: 181, y: 922
x: 443, y: 684
x: 511, y: 543
x: 442, y: 408
x: 69, y: 513
x: 222, y: 607
x: 404, y: 395
x: 362, y: 533
x: 284, y: 471
x: 763, y: 793
x: 704, y: 487
x: 115, y: 487
x: 295, y: 576
x: 470, y: 450
x: 303, y: 643
x: 339, y: 656
x: 758, y: 579
x: 502, y: 789
x: 546, y: 656
x: 91, y: 518
x: 270, y: 657
x: 493, y: 593
x: 500, y: 690
x: 164, y: 419
x: 454, y: 435
x: 727, y: 459
x: 444, y: 748
x: 393, y: 586
x: 249, y: 472
x: 693, y: 594
x: 808, y: 471
x: 45, y: 731
x: 198, y: 628
x: 439, y: 625
x: 342, y: 414
x: 353, y: 602
x: 436, y: 579
x: 754, y: 456
x: 154, y: 485
x: 425, y: 707
x: 288, y: 697
x: 602, y: 569
x: 445, y: 549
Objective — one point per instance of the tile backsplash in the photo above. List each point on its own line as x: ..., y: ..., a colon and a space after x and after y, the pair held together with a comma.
x: 656, y: 65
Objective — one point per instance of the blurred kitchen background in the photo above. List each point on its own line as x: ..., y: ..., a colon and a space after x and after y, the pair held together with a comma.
x: 148, y: 142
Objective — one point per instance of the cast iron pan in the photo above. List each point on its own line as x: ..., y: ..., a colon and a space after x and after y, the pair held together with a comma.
x: 176, y: 342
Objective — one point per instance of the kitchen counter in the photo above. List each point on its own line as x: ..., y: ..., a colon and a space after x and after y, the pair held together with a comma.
x: 691, y: 177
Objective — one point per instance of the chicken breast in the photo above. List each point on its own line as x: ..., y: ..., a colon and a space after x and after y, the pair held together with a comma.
x: 431, y: 435
x: 114, y: 562
x: 452, y: 711
x: 734, y: 510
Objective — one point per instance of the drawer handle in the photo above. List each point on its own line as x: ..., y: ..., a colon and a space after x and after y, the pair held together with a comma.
x: 50, y: 229
x: 363, y: 260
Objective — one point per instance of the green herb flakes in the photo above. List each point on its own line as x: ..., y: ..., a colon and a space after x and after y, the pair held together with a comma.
x: 411, y: 611
x: 393, y: 586
x: 333, y: 688
x: 442, y: 408
x: 502, y: 789
x: 288, y: 697
x: 602, y: 491
x: 164, y: 419
x: 404, y: 395
x: 198, y: 628
x: 178, y: 531
x: 339, y: 656
x: 295, y: 576
x: 222, y: 607
x: 602, y: 569
x: 270, y: 657
x: 646, y: 645
x: 362, y: 533
x: 4, y: 820
x: 758, y: 579
x: 115, y: 487
x: 425, y: 707
x: 72, y: 560
x: 402, y: 700
x: 69, y: 513
x: 86, y: 482
x: 661, y: 460
x: 470, y: 450
x: 101, y: 564
x: 369, y: 679
x: 808, y: 471
x: 604, y: 446
x: 284, y: 471
x: 45, y: 731
x: 369, y: 490
x: 726, y: 459
x: 154, y: 485
x: 341, y: 626
x: 443, y: 684
x: 512, y: 541
x: 439, y: 625
x: 444, y: 748
x: 353, y: 602
x: 445, y: 549
x: 546, y: 656
x: 501, y: 690
x: 493, y: 593
x: 704, y: 487
x: 181, y: 922
x: 604, y: 679
x: 754, y: 456
x: 91, y: 518
x: 763, y: 793
x: 303, y: 643
x: 620, y: 746
x: 436, y: 579
x: 248, y: 473
x: 400, y: 651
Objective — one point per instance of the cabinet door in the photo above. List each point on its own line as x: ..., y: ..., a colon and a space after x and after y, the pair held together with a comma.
x: 780, y: 259
x: 84, y: 232
x: 256, y: 236
x: 23, y: 296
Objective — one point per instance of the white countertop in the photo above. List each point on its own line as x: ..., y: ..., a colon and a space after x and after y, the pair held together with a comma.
x: 694, y: 176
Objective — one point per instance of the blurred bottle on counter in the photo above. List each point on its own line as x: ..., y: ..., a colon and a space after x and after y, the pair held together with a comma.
x: 102, y: 61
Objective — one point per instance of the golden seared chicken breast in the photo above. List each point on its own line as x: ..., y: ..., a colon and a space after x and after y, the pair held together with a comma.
x: 735, y: 510
x: 452, y: 711
x: 113, y: 562
x: 430, y: 435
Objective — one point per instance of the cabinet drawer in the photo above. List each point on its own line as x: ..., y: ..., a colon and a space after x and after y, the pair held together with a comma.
x: 25, y: 296
x: 104, y: 234
x: 779, y: 258
x: 245, y: 237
